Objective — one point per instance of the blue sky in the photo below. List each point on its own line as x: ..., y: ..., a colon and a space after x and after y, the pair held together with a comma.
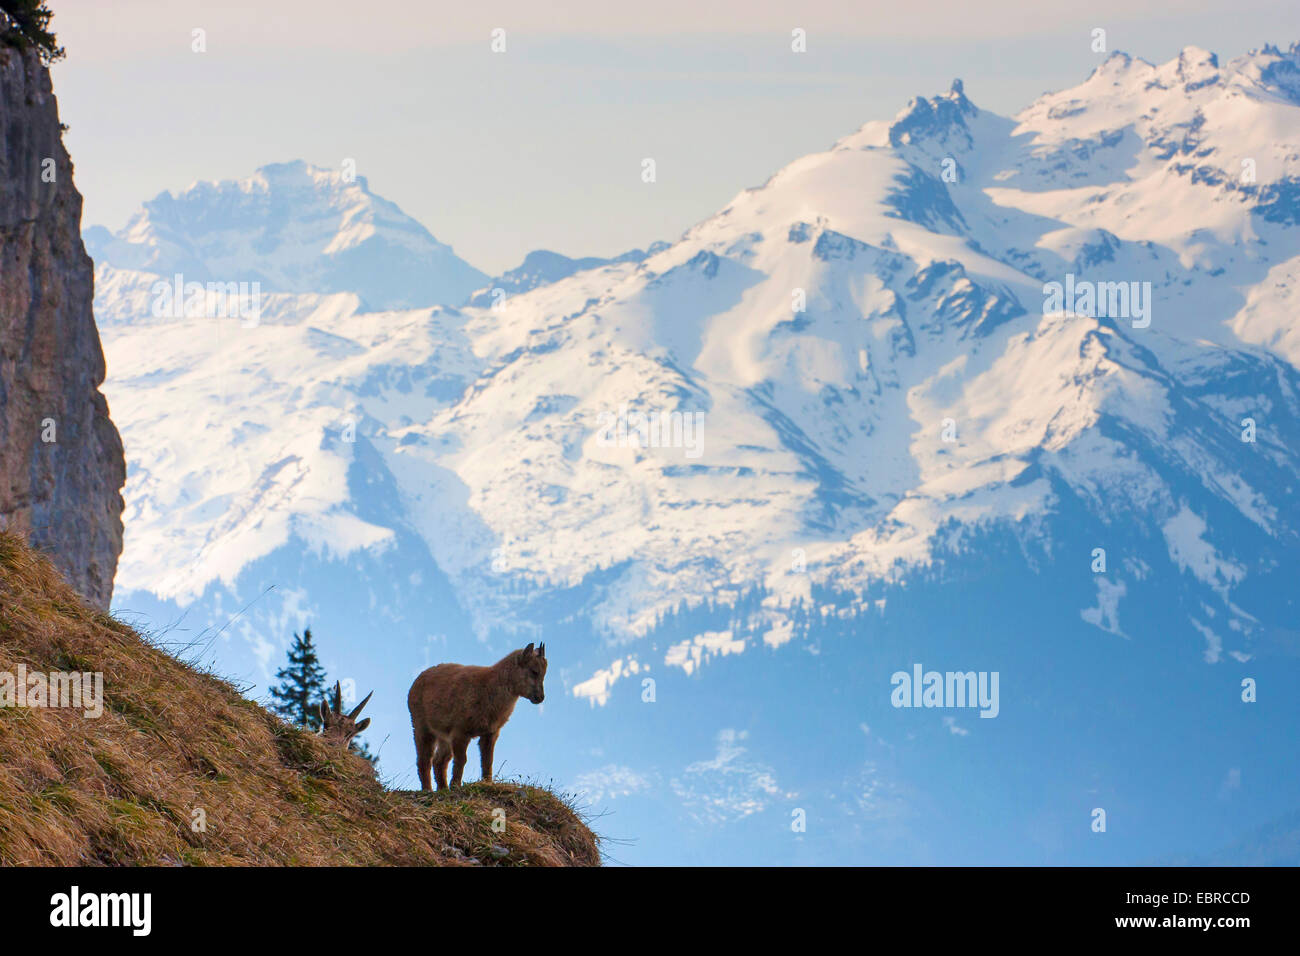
x: 541, y: 146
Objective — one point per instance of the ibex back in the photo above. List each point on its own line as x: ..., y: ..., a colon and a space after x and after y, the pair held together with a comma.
x: 451, y: 704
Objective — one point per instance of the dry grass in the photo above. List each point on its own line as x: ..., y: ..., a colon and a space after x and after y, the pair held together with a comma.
x: 174, y: 746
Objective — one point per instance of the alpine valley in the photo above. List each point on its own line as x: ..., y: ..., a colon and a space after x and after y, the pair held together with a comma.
x: 857, y: 431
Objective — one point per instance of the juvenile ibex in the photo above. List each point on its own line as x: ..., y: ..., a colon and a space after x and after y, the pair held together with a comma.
x: 338, y: 726
x: 451, y: 704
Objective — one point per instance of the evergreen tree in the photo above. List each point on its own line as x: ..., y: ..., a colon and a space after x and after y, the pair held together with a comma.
x: 302, y: 684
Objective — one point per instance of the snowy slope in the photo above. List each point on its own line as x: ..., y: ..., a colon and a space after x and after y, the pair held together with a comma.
x: 865, y: 336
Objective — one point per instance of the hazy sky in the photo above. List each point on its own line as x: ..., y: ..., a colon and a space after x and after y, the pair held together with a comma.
x: 541, y: 146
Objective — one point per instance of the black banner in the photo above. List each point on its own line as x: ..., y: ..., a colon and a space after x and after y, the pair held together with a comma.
x: 138, y: 906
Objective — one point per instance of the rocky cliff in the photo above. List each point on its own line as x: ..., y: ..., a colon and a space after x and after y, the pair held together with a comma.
x: 61, y: 463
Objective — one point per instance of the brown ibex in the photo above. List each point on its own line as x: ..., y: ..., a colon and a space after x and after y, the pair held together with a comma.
x: 451, y: 704
x: 338, y: 726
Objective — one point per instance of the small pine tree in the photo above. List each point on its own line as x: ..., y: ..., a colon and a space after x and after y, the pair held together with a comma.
x: 302, y: 684
x: 28, y: 21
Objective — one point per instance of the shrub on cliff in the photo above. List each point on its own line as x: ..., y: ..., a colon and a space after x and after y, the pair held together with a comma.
x: 27, y: 22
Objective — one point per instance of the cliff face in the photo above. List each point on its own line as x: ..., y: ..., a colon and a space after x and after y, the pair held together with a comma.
x: 61, y: 464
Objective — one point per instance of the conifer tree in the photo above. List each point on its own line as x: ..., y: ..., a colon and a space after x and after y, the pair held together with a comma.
x: 301, y: 685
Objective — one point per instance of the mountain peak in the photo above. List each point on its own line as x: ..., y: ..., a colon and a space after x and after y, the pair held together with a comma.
x: 543, y: 267
x: 300, y: 174
x: 293, y: 227
x: 933, y: 118
x: 1194, y: 68
x: 1119, y: 67
x: 1194, y: 54
x: 294, y: 178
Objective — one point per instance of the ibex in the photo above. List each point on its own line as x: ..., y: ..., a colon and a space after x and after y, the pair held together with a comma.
x: 453, y: 703
x: 338, y: 726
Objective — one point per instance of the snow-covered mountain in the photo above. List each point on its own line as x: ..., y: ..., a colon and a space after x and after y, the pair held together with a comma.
x: 292, y: 227
x: 542, y: 267
x: 958, y: 370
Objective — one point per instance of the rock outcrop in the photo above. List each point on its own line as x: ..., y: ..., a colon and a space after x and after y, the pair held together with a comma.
x: 61, y: 463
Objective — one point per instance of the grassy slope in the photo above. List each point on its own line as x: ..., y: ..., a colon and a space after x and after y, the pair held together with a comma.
x: 124, y: 788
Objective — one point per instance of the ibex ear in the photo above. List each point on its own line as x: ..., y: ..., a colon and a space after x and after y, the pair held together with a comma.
x: 324, y: 710
x: 363, y: 725
x: 541, y: 650
x: 528, y: 651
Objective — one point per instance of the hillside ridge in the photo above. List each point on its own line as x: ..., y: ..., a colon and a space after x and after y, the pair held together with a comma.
x: 167, y: 765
